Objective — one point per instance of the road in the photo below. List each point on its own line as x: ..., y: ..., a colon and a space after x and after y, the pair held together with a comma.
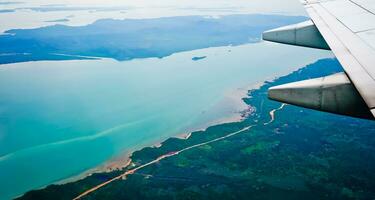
x: 174, y: 153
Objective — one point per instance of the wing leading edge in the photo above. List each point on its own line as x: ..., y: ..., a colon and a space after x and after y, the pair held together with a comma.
x: 347, y: 27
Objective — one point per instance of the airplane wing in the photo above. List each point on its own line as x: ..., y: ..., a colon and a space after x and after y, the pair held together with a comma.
x: 347, y: 27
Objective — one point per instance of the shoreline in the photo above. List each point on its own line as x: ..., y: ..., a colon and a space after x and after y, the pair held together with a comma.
x: 180, y: 164
x: 123, y: 160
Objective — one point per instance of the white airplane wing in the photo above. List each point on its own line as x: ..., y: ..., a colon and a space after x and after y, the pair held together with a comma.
x: 347, y: 27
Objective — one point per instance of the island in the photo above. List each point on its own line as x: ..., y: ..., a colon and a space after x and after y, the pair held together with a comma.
x: 198, y: 58
x: 58, y: 20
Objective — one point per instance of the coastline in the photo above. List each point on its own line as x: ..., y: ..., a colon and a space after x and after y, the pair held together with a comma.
x: 234, y: 96
x: 205, y: 165
x: 238, y: 95
x: 240, y: 112
x: 225, y: 68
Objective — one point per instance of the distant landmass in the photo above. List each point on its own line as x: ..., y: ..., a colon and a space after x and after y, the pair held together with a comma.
x: 277, y: 152
x: 135, y: 38
x: 6, y: 10
x: 10, y: 3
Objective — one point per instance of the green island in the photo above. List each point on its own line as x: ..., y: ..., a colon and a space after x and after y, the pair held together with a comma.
x: 300, y: 154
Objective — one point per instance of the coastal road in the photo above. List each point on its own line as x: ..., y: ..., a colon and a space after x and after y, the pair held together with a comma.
x: 173, y: 153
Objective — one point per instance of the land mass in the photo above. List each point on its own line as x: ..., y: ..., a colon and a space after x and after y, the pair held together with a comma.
x: 277, y: 152
x: 135, y: 38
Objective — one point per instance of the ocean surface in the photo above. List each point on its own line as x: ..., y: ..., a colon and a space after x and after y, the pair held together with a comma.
x: 61, y: 118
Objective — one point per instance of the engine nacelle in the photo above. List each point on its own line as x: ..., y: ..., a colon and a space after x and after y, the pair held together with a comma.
x: 334, y: 94
x: 302, y: 34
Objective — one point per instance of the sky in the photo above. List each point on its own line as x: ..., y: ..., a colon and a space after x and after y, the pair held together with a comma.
x: 19, y: 14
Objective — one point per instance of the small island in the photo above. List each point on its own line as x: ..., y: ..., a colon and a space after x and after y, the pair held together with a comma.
x: 58, y: 20
x: 198, y: 58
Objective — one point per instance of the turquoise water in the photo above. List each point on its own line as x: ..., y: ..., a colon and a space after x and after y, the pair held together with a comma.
x: 59, y: 119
